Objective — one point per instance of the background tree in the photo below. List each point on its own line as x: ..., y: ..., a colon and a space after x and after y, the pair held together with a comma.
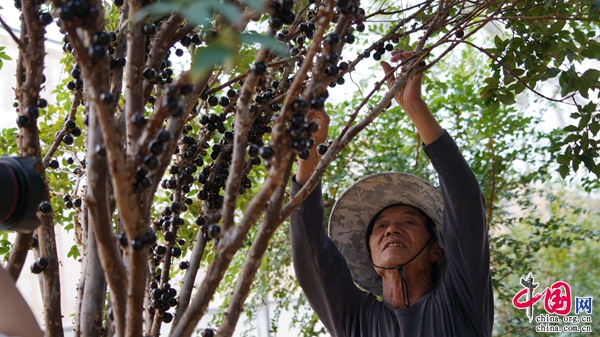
x: 194, y: 160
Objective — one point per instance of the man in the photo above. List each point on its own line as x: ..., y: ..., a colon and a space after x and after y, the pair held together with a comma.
x: 422, y: 255
x: 16, y: 318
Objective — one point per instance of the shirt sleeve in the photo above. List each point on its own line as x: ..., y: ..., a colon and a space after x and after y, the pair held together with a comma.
x: 320, y: 268
x: 465, y: 232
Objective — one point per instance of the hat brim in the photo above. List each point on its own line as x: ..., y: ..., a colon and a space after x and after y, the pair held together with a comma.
x: 356, y: 207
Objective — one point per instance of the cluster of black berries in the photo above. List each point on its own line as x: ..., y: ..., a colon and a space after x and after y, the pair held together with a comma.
x: 210, y: 189
x: 39, y: 265
x: 224, y: 101
x: 159, y: 251
x: 380, y: 48
x: 165, y: 76
x: 157, y: 147
x: 332, y: 58
x: 99, y: 48
x: 259, y: 128
x: 141, y: 179
x: 209, y: 232
x: 162, y: 299
x: 214, y: 122
x: 182, y: 177
x: 186, y: 41
x: 137, y: 244
x: 282, y: 14
x: 172, y: 99
x: 305, y: 31
x: 77, y: 82
x: 75, y: 12
x: 300, y: 130
x: 346, y: 6
x: 31, y: 113
x: 334, y: 69
x: 69, y: 202
x: 72, y: 130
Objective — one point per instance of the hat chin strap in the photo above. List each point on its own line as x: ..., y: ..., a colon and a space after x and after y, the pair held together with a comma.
x: 405, y: 298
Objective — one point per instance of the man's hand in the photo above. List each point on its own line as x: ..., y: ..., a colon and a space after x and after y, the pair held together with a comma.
x: 412, y: 90
x: 307, y: 166
x: 322, y: 118
x: 411, y: 101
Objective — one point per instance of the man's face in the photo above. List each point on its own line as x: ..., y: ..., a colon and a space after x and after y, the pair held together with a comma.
x: 399, y: 233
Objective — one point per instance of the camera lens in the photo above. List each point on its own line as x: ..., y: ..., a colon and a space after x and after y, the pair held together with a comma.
x: 21, y: 190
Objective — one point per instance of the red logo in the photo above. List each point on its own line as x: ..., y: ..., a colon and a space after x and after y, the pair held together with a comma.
x: 557, y: 298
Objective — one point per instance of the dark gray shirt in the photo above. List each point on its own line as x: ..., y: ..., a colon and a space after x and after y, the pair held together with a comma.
x: 461, y: 302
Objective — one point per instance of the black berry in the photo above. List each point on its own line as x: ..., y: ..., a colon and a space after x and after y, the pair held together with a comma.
x: 46, y: 207
x: 53, y: 164
x: 259, y: 68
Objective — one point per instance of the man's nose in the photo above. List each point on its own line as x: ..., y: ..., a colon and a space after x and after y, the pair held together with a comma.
x: 394, y: 228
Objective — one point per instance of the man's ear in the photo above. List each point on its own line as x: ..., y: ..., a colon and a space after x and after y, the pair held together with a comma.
x: 436, y: 253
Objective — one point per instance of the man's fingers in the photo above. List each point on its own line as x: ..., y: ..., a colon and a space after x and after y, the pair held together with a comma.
x: 400, y: 55
x: 387, y: 68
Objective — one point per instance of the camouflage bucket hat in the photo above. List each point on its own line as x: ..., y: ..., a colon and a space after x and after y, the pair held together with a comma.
x: 356, y: 207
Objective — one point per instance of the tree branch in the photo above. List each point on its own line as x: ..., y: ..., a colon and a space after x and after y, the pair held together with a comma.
x: 400, y: 11
x: 13, y: 36
x: 83, y: 221
x: 94, y: 293
x: 512, y: 73
x: 134, y: 92
x: 18, y: 254
x: 97, y: 201
x: 187, y: 285
x: 33, y: 32
x: 254, y: 259
x: 75, y: 102
x: 243, y: 122
x: 159, y: 45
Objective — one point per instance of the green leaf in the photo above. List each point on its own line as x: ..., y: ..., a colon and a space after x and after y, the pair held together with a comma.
x: 198, y: 13
x: 229, y: 11
x: 257, y: 5
x: 552, y: 72
x: 508, y: 98
x: 266, y: 41
x: 583, y: 122
x: 593, y: 74
x: 73, y: 252
x: 519, y: 87
x: 206, y: 58
x: 498, y: 42
x: 492, y: 80
x: 518, y: 71
x: 594, y: 127
x: 4, y: 56
x: 589, y: 163
x: 580, y: 37
x: 557, y: 26
x: 563, y: 170
x: 569, y: 86
x: 592, y: 50
x: 589, y: 108
x: 571, y: 128
x: 156, y: 11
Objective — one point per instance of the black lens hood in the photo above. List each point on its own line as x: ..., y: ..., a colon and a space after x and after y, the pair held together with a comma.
x: 21, y: 191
